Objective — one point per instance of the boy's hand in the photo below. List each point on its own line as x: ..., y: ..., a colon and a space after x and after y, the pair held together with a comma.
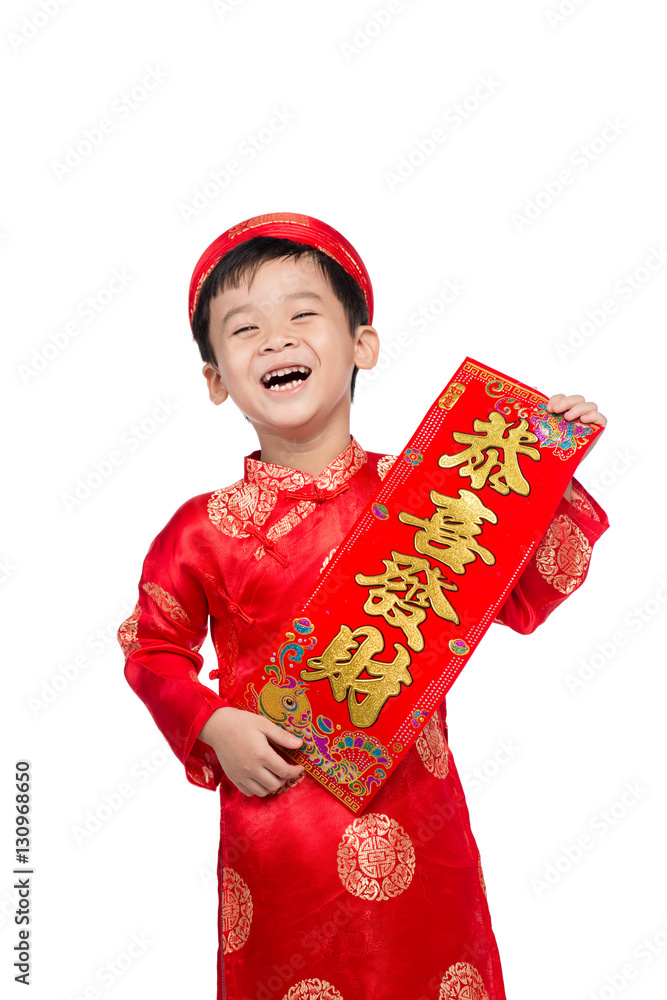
x: 241, y: 742
x: 576, y: 408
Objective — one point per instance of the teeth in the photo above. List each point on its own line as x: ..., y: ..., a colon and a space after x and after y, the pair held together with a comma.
x: 279, y: 388
x: 284, y: 371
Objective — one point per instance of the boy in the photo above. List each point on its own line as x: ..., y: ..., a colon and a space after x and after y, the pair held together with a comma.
x: 314, y: 904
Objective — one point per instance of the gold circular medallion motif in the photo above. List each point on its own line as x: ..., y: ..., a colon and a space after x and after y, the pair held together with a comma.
x: 236, y: 910
x: 376, y: 859
x: 462, y: 982
x: 432, y: 747
x: 313, y: 989
x: 564, y: 554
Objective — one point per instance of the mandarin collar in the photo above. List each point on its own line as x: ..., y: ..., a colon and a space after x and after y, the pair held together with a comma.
x: 279, y: 477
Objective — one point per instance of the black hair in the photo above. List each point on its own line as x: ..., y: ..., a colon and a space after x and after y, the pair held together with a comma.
x: 243, y: 262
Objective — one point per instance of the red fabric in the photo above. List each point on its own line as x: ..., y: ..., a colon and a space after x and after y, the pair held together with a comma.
x: 288, y: 226
x: 316, y: 904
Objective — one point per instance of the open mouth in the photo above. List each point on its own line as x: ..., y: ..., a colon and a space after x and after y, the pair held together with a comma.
x: 285, y: 378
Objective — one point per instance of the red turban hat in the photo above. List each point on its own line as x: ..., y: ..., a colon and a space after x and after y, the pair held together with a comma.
x: 285, y: 225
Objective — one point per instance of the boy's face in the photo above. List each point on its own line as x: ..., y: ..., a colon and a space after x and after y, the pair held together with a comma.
x: 289, y: 318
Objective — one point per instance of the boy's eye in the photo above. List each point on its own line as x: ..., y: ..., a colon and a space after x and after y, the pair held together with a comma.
x: 242, y: 329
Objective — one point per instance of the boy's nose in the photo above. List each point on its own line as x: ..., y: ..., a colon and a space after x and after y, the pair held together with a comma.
x: 277, y: 341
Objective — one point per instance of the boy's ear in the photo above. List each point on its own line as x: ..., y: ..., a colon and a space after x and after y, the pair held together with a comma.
x: 366, y: 347
x: 216, y: 387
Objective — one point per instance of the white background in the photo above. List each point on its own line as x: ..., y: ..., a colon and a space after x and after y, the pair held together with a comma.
x: 360, y: 98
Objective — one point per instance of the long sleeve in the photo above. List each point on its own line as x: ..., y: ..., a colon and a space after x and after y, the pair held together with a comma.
x: 161, y: 641
x: 559, y: 564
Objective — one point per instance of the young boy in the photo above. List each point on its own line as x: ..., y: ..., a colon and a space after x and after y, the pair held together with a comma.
x: 314, y: 904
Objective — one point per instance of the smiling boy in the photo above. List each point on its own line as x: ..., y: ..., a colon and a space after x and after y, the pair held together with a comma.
x: 313, y: 904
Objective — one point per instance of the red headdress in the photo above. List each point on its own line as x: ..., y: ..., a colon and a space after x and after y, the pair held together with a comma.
x: 285, y: 225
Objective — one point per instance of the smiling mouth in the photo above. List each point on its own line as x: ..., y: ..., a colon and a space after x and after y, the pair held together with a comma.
x: 285, y: 378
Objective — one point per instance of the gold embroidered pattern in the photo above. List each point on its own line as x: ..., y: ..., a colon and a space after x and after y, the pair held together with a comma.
x: 240, y: 502
x: 432, y: 747
x: 342, y: 468
x: 166, y: 603
x: 384, y: 464
x: 313, y: 989
x: 291, y: 783
x: 286, y: 523
x: 272, y: 477
x: 127, y: 633
x: 564, y: 554
x: 481, y: 874
x: 462, y: 982
x: 583, y: 504
x: 278, y: 477
x: 253, y: 498
x: 236, y: 910
x: 376, y: 859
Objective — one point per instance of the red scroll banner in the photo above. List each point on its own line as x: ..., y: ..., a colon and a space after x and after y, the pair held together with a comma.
x: 417, y: 581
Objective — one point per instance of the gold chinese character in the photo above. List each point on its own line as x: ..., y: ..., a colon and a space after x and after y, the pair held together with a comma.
x: 481, y: 456
x: 450, y: 534
x: 401, y: 597
x: 343, y: 662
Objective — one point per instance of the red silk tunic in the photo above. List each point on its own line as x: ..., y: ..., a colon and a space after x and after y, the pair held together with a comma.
x: 388, y: 905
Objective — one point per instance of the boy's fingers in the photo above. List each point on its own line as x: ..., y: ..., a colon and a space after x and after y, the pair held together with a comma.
x: 242, y: 787
x: 256, y: 787
x: 561, y: 402
x: 582, y: 411
x: 273, y: 781
x: 576, y: 408
x: 265, y: 782
x: 281, y: 768
x: 556, y: 400
x: 281, y: 736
